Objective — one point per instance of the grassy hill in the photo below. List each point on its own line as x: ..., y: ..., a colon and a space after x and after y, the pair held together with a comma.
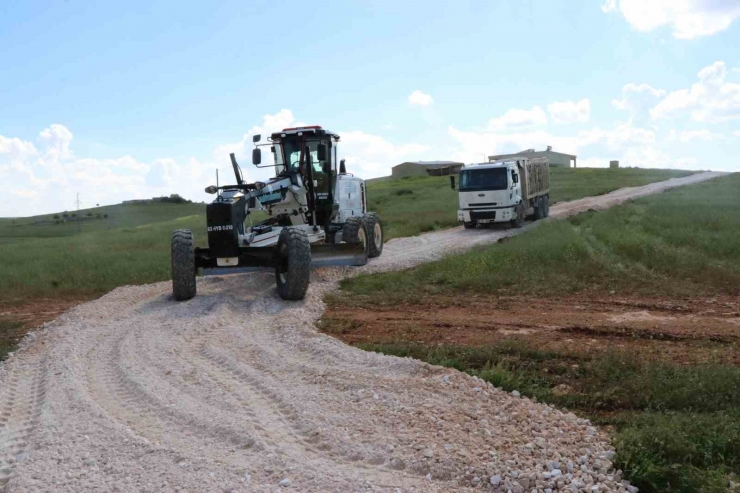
x: 95, y: 219
x: 131, y: 245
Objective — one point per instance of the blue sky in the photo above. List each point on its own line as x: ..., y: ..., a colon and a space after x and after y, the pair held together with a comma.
x: 135, y: 99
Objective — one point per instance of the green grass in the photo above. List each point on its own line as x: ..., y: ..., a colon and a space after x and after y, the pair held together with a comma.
x: 677, y: 427
x: 90, y: 263
x: 683, y: 242
x: 414, y: 205
x: 8, y: 335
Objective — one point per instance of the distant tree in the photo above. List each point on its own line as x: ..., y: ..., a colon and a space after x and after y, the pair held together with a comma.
x: 98, y: 215
x: 56, y: 216
x: 89, y: 214
x: 74, y: 214
x: 105, y: 216
x: 65, y: 215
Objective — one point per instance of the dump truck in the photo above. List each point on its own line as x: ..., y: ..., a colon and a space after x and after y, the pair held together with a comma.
x: 508, y: 190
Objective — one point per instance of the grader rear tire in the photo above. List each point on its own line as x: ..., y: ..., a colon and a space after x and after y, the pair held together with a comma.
x: 293, y: 264
x: 183, y: 265
x: 375, y: 234
x: 354, y: 232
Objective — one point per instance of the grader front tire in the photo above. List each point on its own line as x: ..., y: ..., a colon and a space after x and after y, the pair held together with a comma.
x: 183, y: 265
x: 293, y: 265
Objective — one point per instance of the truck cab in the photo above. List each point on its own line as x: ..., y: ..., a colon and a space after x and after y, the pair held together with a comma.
x: 502, y: 191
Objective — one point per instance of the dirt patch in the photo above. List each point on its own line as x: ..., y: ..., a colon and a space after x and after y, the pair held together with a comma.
x: 21, y: 316
x: 683, y: 331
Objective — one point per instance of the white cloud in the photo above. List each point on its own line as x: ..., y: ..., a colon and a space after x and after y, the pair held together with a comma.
x: 736, y: 133
x: 690, y: 135
x: 570, y: 111
x: 516, y: 118
x: 47, y: 178
x: 372, y: 155
x: 57, y: 139
x: 638, y: 99
x: 609, y: 6
x: 419, y: 98
x: 712, y: 99
x: 473, y: 145
x: 26, y: 194
x: 689, y: 18
x: 622, y: 135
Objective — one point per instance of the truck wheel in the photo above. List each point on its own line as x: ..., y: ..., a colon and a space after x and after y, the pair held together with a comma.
x: 539, y: 209
x: 470, y: 224
x: 546, y: 205
x: 375, y: 234
x: 183, y: 264
x: 354, y: 232
x: 293, y: 264
x: 519, y: 217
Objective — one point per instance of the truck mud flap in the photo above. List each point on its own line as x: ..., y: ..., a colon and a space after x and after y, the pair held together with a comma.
x: 338, y: 254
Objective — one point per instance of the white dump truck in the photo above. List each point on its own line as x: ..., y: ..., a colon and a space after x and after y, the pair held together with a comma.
x: 503, y: 191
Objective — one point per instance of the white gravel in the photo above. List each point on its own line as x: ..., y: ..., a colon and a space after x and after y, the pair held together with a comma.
x: 236, y: 391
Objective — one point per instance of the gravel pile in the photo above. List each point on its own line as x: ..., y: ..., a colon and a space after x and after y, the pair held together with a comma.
x: 236, y: 391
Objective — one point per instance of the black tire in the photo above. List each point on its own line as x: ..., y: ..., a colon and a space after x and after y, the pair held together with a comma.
x: 470, y: 224
x: 183, y: 265
x: 518, y: 220
x: 293, y: 264
x: 539, y: 208
x: 375, y: 234
x: 546, y: 204
x: 354, y: 232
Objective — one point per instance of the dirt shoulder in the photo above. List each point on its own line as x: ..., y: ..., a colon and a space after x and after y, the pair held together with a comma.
x: 685, y: 331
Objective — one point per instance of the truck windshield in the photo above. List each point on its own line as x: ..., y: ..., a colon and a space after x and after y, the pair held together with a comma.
x: 483, y: 179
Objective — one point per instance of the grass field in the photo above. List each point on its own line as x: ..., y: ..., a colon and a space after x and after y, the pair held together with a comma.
x: 676, y: 424
x: 415, y: 205
x: 683, y: 242
x: 131, y: 245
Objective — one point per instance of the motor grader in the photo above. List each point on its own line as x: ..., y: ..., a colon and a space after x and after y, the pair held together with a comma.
x: 316, y: 217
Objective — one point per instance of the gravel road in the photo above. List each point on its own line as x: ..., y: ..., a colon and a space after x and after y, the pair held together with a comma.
x: 236, y: 391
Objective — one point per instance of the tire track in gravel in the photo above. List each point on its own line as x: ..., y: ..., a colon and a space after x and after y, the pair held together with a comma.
x: 19, y: 417
x: 279, y: 422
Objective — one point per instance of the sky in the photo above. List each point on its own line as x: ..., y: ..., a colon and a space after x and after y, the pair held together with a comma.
x: 130, y: 100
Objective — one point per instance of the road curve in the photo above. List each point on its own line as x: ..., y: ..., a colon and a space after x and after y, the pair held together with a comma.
x: 235, y: 391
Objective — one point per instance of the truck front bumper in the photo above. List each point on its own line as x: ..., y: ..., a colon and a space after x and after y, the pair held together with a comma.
x: 483, y: 216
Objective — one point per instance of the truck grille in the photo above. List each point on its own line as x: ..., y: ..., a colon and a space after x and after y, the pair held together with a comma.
x: 478, y: 215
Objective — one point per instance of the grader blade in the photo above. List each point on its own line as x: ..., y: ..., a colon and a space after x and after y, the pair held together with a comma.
x: 333, y: 255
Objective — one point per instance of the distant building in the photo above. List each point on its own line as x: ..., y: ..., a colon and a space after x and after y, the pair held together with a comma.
x: 558, y: 159
x: 422, y: 168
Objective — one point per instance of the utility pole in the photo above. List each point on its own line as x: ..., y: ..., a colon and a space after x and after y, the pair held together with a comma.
x: 78, y: 211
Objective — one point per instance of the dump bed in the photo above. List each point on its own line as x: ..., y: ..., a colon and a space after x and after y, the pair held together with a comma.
x: 536, y: 177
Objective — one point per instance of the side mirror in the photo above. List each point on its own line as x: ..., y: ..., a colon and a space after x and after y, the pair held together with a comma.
x: 211, y: 189
x: 452, y: 182
x: 321, y: 152
x: 256, y: 138
x: 257, y: 156
x: 342, y: 168
x: 515, y: 178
